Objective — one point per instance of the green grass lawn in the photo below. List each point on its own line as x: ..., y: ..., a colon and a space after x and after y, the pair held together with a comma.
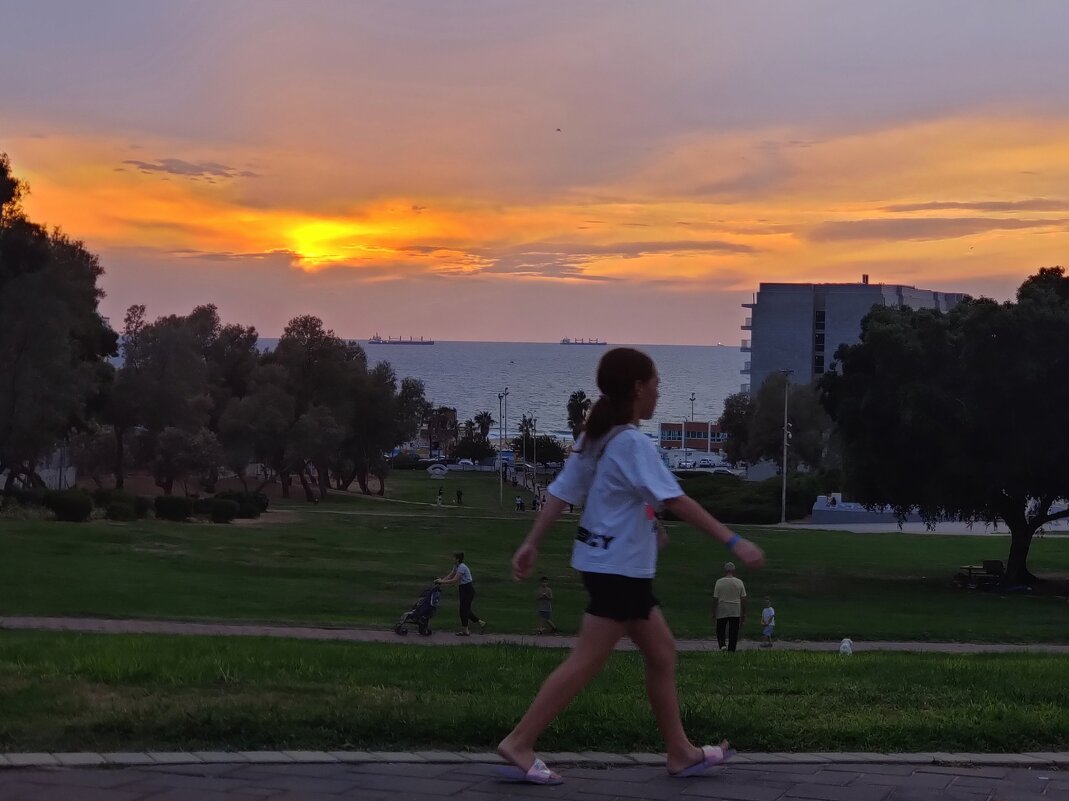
x: 64, y: 692
x: 364, y: 566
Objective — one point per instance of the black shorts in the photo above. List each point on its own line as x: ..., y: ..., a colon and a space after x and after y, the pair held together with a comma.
x: 619, y: 598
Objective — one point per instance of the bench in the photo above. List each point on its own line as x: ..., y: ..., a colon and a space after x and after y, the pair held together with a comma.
x: 987, y: 574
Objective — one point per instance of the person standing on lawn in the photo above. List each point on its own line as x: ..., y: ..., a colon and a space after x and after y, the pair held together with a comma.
x: 615, y: 474
x: 729, y: 608
x: 461, y: 576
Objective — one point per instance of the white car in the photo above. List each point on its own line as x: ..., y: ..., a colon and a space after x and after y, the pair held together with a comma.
x: 705, y: 463
x: 465, y: 463
x: 686, y: 464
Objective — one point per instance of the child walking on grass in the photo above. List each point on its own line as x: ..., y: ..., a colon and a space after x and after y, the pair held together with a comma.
x: 545, y: 606
x: 768, y: 621
x: 614, y: 473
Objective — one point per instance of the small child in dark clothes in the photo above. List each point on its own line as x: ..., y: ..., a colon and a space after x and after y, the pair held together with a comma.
x: 545, y: 606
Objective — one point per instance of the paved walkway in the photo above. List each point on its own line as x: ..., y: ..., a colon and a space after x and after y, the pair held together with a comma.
x: 446, y: 637
x: 420, y: 780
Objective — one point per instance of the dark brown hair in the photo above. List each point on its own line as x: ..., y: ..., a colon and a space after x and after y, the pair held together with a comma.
x: 618, y: 372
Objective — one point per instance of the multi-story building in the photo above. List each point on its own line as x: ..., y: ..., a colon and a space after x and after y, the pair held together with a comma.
x: 799, y: 327
x: 700, y: 437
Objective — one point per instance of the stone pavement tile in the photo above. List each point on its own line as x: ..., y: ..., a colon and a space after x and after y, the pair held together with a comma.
x: 831, y: 778
x: 442, y: 756
x: 72, y: 777
x: 310, y: 756
x: 352, y: 756
x: 975, y: 783
x: 632, y: 774
x: 226, y: 757
x: 190, y: 794
x: 3, y: 761
x: 128, y: 758
x: 264, y: 757
x: 173, y: 758
x: 664, y: 788
x: 748, y: 791
x: 648, y: 759
x: 604, y: 758
x: 355, y: 795
x: 79, y: 760
x: 1009, y: 760
x: 293, y: 770
x: 827, y: 792
x: 395, y: 756
x: 413, y: 785
x: 886, y: 770
x: 58, y: 792
x: 986, y: 773
x: 311, y: 784
x: 486, y: 757
x: 195, y: 768
x: 426, y: 771
x: 905, y: 759
x: 794, y: 768
x: 31, y: 760
x: 574, y: 789
x: 915, y: 781
x: 1051, y: 757
x: 17, y: 791
x: 562, y: 758
x: 809, y: 759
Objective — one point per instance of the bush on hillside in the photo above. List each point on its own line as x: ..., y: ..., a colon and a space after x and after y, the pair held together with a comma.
x: 121, y: 511
x: 173, y: 507
x: 223, y: 510
x: 70, y: 506
x: 29, y: 496
x: 257, y: 499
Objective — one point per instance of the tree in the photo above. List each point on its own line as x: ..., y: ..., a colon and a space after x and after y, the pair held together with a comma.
x: 179, y: 454
x: 735, y: 423
x: 52, y: 338
x: 810, y: 424
x: 256, y: 427
x: 475, y: 448
x: 578, y: 408
x: 485, y: 421
x: 547, y: 448
x: 92, y: 453
x: 961, y: 414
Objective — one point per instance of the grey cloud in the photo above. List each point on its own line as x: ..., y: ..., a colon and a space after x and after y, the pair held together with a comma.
x: 1032, y: 204
x: 189, y: 169
x: 917, y: 229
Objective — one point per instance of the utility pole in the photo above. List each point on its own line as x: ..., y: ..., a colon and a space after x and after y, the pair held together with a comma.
x: 501, y: 407
x: 786, y: 442
x: 534, y: 443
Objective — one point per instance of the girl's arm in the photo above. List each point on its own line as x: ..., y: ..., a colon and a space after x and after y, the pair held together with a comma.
x: 523, y: 561
x: 452, y: 578
x: 689, y: 510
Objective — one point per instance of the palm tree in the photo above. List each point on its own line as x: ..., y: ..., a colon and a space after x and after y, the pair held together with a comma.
x: 485, y: 421
x: 469, y: 429
x: 578, y: 406
x: 526, y: 426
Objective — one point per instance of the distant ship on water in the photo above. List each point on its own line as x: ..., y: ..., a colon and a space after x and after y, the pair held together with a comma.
x: 377, y: 340
x: 570, y: 341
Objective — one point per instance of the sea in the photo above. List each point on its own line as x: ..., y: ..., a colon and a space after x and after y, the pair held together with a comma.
x: 541, y: 377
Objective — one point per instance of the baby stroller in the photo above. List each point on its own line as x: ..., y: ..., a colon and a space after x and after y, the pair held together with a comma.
x: 421, y: 612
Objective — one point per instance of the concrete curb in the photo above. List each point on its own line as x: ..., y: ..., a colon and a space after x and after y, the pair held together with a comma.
x: 590, y: 759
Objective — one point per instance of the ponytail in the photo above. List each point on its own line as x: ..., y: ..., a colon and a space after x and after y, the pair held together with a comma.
x: 618, y: 372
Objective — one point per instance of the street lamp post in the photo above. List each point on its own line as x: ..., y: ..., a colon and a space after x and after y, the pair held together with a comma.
x: 786, y: 443
x: 502, y: 410
x: 534, y: 447
x: 692, y: 397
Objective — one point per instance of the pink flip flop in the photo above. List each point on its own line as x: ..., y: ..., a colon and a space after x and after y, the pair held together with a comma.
x: 538, y: 774
x: 713, y: 755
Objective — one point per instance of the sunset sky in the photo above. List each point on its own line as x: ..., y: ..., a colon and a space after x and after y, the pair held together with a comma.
x: 506, y: 170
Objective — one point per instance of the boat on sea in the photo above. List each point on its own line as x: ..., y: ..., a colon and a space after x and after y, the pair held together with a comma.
x: 377, y: 340
x: 570, y: 341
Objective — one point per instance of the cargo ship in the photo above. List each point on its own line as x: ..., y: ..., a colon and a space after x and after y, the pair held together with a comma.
x: 570, y: 341
x: 377, y: 340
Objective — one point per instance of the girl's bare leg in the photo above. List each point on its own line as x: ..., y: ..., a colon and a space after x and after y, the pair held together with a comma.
x: 654, y: 639
x: 597, y: 638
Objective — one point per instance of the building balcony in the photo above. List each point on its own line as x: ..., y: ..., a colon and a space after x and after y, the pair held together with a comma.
x: 745, y: 368
x: 745, y: 388
x: 745, y: 347
x: 747, y: 324
x: 748, y: 305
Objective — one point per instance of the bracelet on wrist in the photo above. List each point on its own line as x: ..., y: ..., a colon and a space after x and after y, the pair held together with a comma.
x: 735, y: 539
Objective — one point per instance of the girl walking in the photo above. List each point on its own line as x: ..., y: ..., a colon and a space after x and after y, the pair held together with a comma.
x: 461, y: 576
x: 615, y: 474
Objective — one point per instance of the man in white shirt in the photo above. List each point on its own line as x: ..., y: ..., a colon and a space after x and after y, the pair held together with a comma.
x: 729, y: 608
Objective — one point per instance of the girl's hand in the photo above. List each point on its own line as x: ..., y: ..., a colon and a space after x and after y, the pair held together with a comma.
x: 662, y: 536
x: 750, y: 554
x: 523, y: 561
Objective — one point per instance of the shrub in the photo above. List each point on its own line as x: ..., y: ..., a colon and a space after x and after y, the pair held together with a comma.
x: 173, y: 507
x: 142, y: 506
x: 248, y: 510
x: 224, y: 510
x: 29, y: 496
x: 202, y: 507
x: 70, y: 506
x: 257, y: 499
x: 103, y: 498
x: 120, y: 510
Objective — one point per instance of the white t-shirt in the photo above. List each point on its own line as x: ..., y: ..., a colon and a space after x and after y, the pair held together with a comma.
x: 463, y: 573
x: 768, y: 616
x: 616, y: 492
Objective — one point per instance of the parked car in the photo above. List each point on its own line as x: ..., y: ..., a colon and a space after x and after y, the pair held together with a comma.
x: 705, y: 463
x: 686, y: 464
